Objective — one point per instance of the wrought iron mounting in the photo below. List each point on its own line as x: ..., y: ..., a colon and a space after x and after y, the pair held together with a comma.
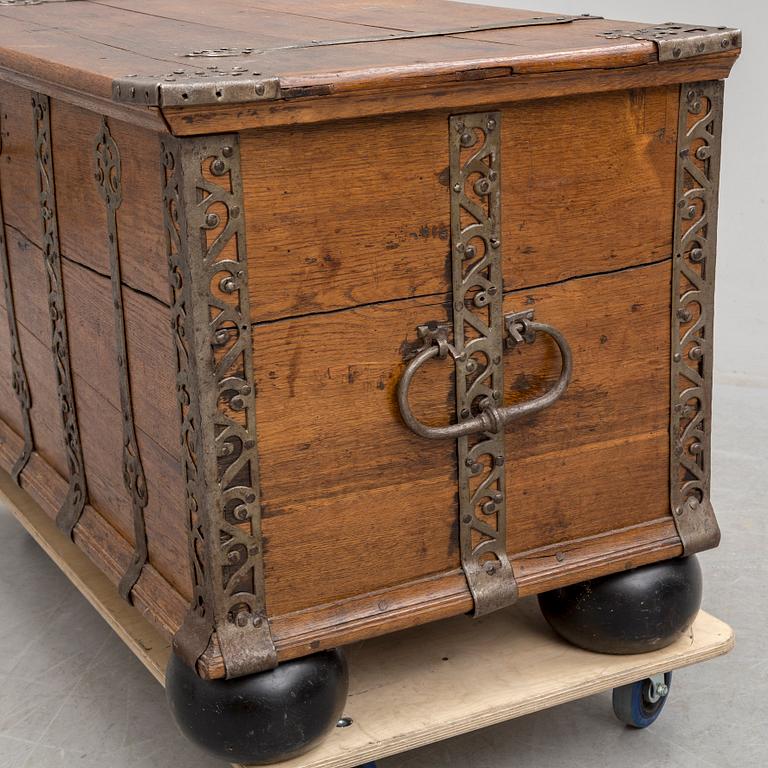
x: 201, y: 85
x: 682, y: 41
x: 533, y: 21
x: 480, y: 332
x: 77, y: 492
x: 109, y: 179
x: 203, y: 204
x: 20, y: 381
x: 181, y: 88
x: 693, y: 274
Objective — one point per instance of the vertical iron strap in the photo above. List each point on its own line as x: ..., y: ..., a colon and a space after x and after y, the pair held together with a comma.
x: 693, y: 282
x: 77, y: 492
x: 109, y: 179
x: 20, y: 381
x: 478, y: 338
x: 203, y: 203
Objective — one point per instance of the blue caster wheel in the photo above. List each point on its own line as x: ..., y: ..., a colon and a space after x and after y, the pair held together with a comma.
x: 639, y: 704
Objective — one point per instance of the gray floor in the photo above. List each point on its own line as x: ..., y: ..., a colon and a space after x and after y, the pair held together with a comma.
x: 71, y: 694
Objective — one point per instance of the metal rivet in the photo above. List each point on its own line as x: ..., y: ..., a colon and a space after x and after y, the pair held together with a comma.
x: 676, y: 357
x: 211, y: 220
x: 697, y: 255
x: 344, y: 722
x: 684, y: 314
x: 499, y: 461
x: 559, y: 556
x: 725, y: 43
x: 457, y: 187
x: 467, y: 519
x: 677, y: 53
x: 696, y: 353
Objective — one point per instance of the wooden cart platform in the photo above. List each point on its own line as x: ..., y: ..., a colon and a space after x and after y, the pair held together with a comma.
x: 419, y: 686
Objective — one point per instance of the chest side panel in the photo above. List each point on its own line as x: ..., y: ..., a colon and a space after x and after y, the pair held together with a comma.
x: 358, y: 212
x: 353, y: 501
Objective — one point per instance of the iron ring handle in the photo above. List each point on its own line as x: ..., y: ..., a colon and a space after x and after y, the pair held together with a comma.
x: 491, y: 419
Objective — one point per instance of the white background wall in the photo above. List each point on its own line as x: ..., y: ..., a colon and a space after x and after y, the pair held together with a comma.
x: 741, y: 305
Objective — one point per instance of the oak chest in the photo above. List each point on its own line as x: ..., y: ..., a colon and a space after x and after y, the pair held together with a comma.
x: 322, y: 320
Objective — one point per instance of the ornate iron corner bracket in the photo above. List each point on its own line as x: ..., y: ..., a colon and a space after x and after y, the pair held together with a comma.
x: 693, y: 275
x: 184, y: 87
x: 77, y: 493
x: 682, y: 41
x: 20, y: 381
x: 109, y: 179
x: 203, y: 204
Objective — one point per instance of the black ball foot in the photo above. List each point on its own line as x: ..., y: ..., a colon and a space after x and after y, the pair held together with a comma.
x: 262, y: 718
x: 631, y: 612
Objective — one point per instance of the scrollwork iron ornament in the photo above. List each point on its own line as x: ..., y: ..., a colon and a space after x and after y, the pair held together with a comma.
x: 77, y: 492
x: 109, y: 180
x: 18, y: 373
x: 693, y: 274
x: 480, y: 333
x: 203, y: 204
x: 475, y: 174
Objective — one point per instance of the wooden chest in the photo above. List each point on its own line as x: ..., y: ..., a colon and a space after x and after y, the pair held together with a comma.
x: 325, y: 320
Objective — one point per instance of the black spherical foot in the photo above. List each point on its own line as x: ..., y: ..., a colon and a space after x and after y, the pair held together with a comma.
x: 262, y: 718
x: 631, y: 612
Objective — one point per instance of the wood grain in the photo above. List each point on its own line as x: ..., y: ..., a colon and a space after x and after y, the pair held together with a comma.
x: 82, y: 214
x: 359, y: 211
x: 49, y: 52
x: 92, y: 350
x: 456, y: 91
x: 326, y: 401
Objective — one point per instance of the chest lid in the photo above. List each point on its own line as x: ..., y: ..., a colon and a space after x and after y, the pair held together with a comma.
x: 172, y: 55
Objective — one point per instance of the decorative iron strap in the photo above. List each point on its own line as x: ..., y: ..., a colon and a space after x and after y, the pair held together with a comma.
x: 109, y: 179
x: 693, y: 275
x: 211, y: 319
x: 675, y: 42
x: 77, y: 493
x: 20, y: 381
x: 478, y: 340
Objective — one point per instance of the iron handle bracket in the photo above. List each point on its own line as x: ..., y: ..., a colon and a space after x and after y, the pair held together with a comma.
x: 520, y: 328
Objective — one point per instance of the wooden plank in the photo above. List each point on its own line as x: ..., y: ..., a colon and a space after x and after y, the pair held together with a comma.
x: 81, y: 211
x: 332, y: 378
x: 359, y: 211
x: 457, y: 91
x: 92, y: 352
x: 419, y: 686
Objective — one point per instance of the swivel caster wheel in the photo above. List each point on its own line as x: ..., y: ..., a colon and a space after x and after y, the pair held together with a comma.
x: 263, y: 718
x: 634, y: 611
x: 639, y: 704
